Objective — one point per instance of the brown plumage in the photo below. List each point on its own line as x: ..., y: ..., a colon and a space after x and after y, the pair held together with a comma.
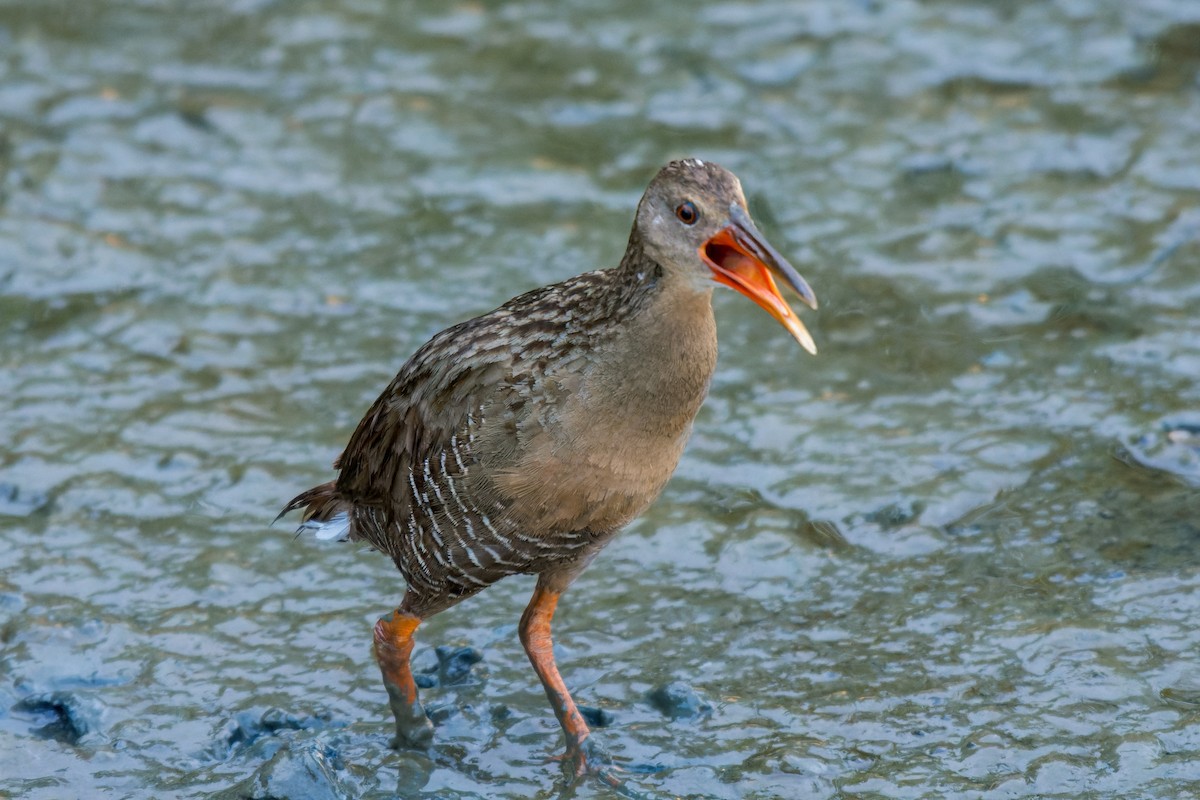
x: 521, y: 441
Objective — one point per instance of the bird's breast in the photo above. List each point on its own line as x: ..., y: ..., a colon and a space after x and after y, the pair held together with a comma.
x: 612, y: 426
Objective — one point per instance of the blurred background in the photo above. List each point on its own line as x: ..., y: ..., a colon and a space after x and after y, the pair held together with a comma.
x: 955, y: 555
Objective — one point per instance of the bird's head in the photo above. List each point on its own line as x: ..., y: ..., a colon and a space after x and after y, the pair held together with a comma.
x: 693, y: 221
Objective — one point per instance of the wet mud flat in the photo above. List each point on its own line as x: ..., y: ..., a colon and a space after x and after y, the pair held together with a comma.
x: 954, y: 556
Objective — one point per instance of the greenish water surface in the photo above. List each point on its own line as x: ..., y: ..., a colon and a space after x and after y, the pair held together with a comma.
x: 957, y: 555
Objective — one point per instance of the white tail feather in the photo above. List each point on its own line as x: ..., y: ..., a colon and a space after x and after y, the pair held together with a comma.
x: 335, y: 529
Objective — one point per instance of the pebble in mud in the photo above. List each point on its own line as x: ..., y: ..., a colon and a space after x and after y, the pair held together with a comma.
x: 65, y: 716
x: 597, y: 717
x: 677, y: 700
x: 1171, y: 449
x: 307, y: 770
x: 453, y: 667
x: 250, y: 726
x: 15, y: 501
x: 897, y: 514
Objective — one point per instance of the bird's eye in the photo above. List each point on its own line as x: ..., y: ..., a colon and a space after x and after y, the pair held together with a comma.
x: 687, y: 213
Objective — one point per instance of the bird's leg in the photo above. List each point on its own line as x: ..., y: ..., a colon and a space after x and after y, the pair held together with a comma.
x: 535, y: 636
x: 393, y: 647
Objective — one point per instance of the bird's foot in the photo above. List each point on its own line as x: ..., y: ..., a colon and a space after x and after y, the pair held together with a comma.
x: 586, y: 757
x: 415, y: 736
x: 414, y: 730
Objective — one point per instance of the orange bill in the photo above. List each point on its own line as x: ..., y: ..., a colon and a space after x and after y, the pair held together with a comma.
x: 741, y: 258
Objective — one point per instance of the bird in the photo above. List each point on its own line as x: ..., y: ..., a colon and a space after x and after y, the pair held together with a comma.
x: 520, y: 442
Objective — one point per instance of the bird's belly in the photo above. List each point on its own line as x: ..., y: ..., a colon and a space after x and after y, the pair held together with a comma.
x: 597, y: 481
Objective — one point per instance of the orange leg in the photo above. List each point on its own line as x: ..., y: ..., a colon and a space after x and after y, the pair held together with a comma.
x: 535, y: 636
x: 393, y: 647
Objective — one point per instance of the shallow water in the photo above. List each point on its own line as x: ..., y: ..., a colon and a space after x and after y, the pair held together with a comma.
x: 956, y: 555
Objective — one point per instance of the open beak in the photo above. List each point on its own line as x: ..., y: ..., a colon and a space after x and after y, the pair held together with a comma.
x: 740, y: 257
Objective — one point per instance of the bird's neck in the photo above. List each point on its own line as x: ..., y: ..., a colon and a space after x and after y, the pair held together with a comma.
x: 638, y: 283
x: 665, y: 350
